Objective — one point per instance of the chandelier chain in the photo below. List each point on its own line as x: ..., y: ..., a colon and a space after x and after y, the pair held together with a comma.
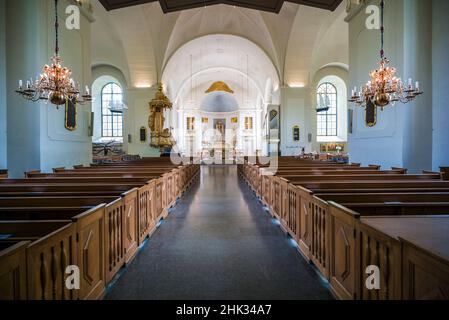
x: 56, y: 28
x: 382, y: 29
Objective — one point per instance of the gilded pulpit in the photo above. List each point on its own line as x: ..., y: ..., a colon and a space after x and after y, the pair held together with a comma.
x: 160, y: 137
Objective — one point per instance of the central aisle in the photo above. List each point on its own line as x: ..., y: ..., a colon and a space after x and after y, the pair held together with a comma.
x: 219, y: 243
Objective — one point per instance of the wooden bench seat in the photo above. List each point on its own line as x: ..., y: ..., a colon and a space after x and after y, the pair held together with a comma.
x: 424, y: 259
x: 3, y: 174
x: 48, y: 202
x: 109, y: 216
x: 355, y: 177
x: 328, y: 212
x: 25, y: 230
x: 391, y: 243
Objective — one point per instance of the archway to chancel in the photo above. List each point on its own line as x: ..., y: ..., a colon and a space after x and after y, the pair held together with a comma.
x: 218, y: 86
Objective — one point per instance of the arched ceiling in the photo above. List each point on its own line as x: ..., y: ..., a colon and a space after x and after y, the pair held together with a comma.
x: 145, y: 39
x: 203, y: 59
x: 219, y: 102
x: 317, y: 38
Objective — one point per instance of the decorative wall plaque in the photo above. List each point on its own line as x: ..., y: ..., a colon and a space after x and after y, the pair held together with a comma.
x: 296, y: 134
x: 143, y: 134
x: 371, y: 114
x: 70, y: 122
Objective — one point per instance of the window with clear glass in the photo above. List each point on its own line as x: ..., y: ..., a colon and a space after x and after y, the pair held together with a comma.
x: 248, y: 123
x: 327, y: 120
x: 111, y: 122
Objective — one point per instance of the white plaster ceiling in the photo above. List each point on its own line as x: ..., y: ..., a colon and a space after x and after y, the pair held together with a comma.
x: 219, y: 58
x: 142, y: 39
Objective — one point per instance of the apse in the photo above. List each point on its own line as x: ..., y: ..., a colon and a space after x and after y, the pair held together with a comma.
x: 219, y: 102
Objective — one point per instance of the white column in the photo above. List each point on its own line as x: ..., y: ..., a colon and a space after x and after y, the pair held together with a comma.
x: 417, y: 144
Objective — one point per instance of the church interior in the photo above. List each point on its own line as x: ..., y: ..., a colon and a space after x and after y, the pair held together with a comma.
x: 224, y: 150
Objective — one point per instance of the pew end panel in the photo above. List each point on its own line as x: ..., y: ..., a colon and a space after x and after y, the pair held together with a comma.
x: 400, y: 170
x: 115, y: 252
x: 47, y: 260
x: 146, y: 217
x: 305, y: 220
x: 319, y: 248
x: 90, y: 234
x: 356, y: 246
x: 425, y: 275
x: 342, y: 275
x: 445, y: 173
x: 13, y: 273
x: 3, y: 174
x: 130, y: 227
x: 29, y: 174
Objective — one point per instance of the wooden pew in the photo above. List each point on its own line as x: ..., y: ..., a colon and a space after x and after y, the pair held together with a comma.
x: 303, y: 201
x: 109, y: 233
x: 13, y: 270
x: 3, y: 174
x: 398, y: 246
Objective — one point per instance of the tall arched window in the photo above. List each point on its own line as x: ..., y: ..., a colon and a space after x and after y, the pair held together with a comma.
x: 327, y: 120
x: 111, y: 122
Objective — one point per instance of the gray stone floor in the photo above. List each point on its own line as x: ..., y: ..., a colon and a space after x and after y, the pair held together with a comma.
x: 219, y: 244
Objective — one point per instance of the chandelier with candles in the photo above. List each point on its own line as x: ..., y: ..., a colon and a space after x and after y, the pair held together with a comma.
x: 54, y: 84
x: 384, y: 87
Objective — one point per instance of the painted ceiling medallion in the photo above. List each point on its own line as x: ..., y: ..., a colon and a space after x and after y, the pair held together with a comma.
x: 220, y: 86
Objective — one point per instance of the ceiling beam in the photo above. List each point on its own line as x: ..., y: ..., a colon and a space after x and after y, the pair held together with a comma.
x: 267, y: 5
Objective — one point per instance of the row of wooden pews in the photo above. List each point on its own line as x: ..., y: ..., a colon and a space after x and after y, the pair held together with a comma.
x: 94, y: 218
x: 348, y: 218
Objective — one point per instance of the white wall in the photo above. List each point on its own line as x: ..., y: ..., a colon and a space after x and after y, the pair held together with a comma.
x: 23, y: 59
x: 3, y: 141
x: 295, y: 111
x: 415, y: 135
x: 440, y: 81
x: 417, y: 143
x: 383, y: 143
x: 37, y: 138
x: 137, y: 117
x: 60, y: 147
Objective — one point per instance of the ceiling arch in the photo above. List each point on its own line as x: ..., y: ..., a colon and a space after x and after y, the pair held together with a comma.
x: 206, y: 55
x: 221, y: 19
x: 297, y: 41
x: 219, y: 102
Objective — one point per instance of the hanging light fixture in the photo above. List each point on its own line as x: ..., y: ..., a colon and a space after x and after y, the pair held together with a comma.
x: 117, y: 107
x: 55, y: 84
x: 384, y: 87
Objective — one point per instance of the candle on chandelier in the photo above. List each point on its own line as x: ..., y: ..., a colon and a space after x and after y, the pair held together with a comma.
x: 417, y: 85
x: 28, y: 84
x: 410, y: 82
x: 20, y: 84
x: 87, y: 90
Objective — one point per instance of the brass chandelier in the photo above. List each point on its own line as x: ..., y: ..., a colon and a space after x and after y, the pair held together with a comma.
x: 384, y: 87
x: 54, y: 84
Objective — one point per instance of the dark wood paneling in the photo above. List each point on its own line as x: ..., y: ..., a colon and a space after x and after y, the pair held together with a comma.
x: 264, y: 5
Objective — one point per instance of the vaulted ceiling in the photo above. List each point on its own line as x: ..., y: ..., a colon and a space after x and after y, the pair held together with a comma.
x: 143, y: 43
x: 179, y: 5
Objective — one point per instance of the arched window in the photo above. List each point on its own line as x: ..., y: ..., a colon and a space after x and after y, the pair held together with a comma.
x: 327, y: 120
x: 111, y: 122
